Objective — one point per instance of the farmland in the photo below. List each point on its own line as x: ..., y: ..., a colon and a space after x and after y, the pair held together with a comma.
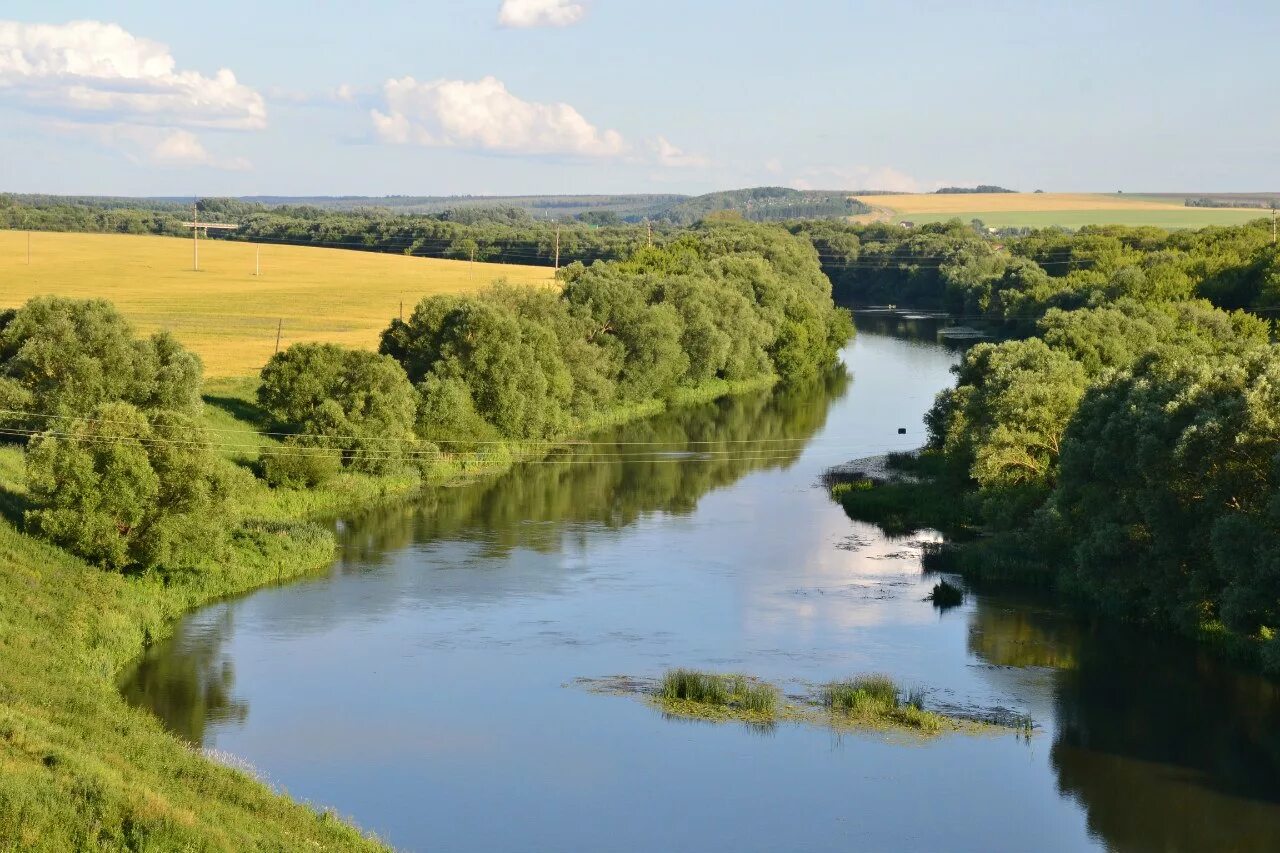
x: 1070, y: 210
x: 224, y: 312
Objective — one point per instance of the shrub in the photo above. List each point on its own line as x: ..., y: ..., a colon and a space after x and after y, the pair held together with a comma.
x: 293, y: 466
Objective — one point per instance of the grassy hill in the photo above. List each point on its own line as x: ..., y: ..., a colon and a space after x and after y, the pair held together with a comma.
x: 224, y: 312
x: 1070, y: 210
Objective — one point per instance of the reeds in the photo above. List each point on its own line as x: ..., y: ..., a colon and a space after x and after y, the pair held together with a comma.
x: 709, y: 688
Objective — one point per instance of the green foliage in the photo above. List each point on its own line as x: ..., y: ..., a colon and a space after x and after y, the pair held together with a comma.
x: 709, y: 688
x: 128, y: 490
x: 727, y: 303
x: 877, y: 699
x: 297, y: 465
x: 65, y: 357
x: 356, y: 403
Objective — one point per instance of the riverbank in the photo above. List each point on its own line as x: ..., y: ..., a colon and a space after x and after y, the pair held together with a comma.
x: 79, y: 768
x: 908, y: 492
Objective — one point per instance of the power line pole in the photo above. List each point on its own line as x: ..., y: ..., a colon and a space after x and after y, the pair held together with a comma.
x: 195, y: 238
x: 29, y: 247
x: 471, y: 270
x: 279, y: 329
x: 257, y: 260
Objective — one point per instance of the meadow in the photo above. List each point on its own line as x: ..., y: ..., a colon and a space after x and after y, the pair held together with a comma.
x: 1069, y: 210
x: 225, y: 313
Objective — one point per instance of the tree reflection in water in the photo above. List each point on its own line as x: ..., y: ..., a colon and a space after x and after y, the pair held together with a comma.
x: 187, y: 680
x: 1166, y: 747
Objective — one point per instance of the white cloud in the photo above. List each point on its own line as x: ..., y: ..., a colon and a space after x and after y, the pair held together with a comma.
x: 154, y: 146
x: 540, y: 13
x: 671, y: 156
x: 93, y: 71
x: 484, y: 115
x: 858, y: 178
x: 182, y: 148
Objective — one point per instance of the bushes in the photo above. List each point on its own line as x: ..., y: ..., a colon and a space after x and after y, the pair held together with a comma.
x: 356, y: 403
x: 128, y: 490
x: 296, y: 466
x: 65, y: 357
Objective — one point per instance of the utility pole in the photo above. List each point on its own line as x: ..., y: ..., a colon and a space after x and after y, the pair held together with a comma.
x: 257, y: 260
x: 557, y: 247
x: 29, y: 247
x: 195, y: 225
x: 402, y: 309
x: 471, y: 270
x: 279, y: 329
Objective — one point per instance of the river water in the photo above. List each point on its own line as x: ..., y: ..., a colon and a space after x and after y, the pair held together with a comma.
x: 425, y: 686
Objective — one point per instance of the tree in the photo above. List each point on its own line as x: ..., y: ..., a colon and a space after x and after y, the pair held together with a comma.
x: 62, y: 358
x: 357, y: 403
x: 129, y: 489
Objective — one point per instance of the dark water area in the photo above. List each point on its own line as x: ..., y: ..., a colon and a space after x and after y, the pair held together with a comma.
x: 424, y: 686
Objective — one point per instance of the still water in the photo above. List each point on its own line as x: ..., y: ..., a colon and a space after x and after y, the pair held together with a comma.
x: 424, y: 686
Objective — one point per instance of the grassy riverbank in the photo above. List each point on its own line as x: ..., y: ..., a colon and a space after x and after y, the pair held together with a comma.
x: 79, y: 768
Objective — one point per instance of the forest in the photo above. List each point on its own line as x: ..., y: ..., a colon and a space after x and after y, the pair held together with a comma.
x: 1122, y: 442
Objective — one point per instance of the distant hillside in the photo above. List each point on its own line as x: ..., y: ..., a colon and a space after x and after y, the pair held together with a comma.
x: 761, y: 204
x: 756, y: 204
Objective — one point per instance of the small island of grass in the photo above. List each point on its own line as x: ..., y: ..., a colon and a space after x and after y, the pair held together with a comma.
x: 872, y: 702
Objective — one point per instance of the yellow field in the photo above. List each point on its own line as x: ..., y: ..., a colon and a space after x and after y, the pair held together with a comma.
x: 1070, y: 210
x: 225, y: 313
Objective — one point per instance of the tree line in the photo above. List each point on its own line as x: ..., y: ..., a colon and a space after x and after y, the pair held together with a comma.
x: 1124, y: 445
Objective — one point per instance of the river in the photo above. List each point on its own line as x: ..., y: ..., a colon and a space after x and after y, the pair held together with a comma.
x: 425, y: 686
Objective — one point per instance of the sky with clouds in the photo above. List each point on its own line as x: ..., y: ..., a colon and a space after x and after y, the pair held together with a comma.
x: 579, y: 96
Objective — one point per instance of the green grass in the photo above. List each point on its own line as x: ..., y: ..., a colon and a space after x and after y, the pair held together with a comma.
x: 1190, y: 217
x: 877, y: 700
x: 731, y: 691
x: 80, y: 769
x: 872, y: 702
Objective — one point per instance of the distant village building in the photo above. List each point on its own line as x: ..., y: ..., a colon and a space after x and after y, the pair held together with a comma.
x: 906, y: 223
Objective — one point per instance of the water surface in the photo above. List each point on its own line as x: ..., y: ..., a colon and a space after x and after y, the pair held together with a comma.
x: 424, y: 685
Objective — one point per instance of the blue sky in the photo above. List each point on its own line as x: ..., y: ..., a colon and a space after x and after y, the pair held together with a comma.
x: 577, y: 96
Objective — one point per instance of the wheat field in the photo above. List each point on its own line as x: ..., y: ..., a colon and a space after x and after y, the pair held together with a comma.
x: 224, y: 312
x: 1070, y: 210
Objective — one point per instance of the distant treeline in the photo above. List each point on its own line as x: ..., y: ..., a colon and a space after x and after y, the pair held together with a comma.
x: 951, y: 266
x: 483, y: 232
x: 980, y: 188
x: 1208, y: 201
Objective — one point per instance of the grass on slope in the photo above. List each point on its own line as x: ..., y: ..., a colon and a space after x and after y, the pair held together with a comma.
x: 225, y: 313
x: 80, y: 769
